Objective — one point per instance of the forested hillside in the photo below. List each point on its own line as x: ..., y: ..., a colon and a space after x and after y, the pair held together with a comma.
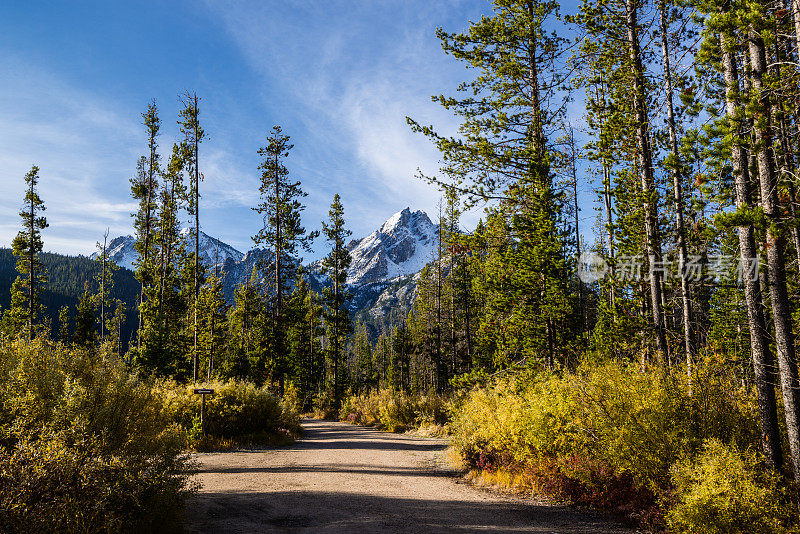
x: 67, y: 278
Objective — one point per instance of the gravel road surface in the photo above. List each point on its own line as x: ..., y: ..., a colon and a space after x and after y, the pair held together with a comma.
x: 345, y: 478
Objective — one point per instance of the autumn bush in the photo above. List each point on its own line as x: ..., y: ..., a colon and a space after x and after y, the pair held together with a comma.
x: 239, y: 413
x: 723, y: 491
x: 85, y: 446
x: 396, y: 411
x: 609, y: 435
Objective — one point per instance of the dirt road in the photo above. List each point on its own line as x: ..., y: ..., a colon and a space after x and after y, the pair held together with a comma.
x: 344, y: 478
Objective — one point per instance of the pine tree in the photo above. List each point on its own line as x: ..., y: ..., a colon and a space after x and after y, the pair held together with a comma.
x: 63, y: 324
x: 307, y: 358
x: 760, y: 108
x: 247, y: 344
x: 114, y: 327
x: 425, y: 326
x: 212, y: 323
x: 398, y: 374
x: 503, y: 153
x: 193, y: 136
x: 25, y: 314
x: 104, y: 280
x: 364, y: 372
x: 282, y: 233
x: 336, y: 298
x: 163, y: 311
x: 144, y: 188
x: 761, y: 353
x: 85, y: 330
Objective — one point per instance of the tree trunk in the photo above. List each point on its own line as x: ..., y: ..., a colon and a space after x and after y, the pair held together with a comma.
x: 467, y: 315
x: 609, y: 231
x: 646, y: 172
x: 573, y: 155
x: 147, y: 225
x: 783, y: 159
x: 196, y: 359
x: 763, y: 362
x: 278, y: 274
x: 779, y: 297
x: 796, y: 13
x: 103, y: 290
x: 688, y: 340
x: 439, y: 365
x: 31, y: 266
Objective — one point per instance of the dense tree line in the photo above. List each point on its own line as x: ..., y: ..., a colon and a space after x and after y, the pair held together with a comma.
x: 691, y: 117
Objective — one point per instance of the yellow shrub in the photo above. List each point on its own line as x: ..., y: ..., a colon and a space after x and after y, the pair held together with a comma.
x: 395, y: 411
x: 723, y: 491
x: 236, y: 409
x: 605, y: 435
x: 85, y: 446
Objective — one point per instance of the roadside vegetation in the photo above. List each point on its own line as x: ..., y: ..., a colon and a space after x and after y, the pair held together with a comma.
x: 238, y: 414
x: 660, y: 453
x: 84, y: 445
x: 398, y: 411
x: 88, y: 446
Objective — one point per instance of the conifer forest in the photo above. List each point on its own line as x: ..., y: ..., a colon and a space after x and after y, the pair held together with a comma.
x: 603, y: 310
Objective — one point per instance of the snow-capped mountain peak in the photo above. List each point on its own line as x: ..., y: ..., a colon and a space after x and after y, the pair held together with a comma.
x: 212, y: 251
x: 401, y: 246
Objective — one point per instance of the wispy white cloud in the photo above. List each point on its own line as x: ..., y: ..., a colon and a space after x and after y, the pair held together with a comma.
x: 342, y: 75
x: 78, y: 141
x: 351, y: 82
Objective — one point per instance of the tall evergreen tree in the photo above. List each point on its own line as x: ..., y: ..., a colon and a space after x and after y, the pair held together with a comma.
x: 104, y: 280
x: 193, y: 136
x: 212, y: 323
x: 337, y: 297
x: 164, y: 308
x: 85, y: 331
x: 25, y: 312
x: 282, y: 233
x: 144, y: 188
x: 63, y: 324
x: 305, y: 330
x: 760, y: 108
x: 503, y: 153
x: 245, y: 324
x: 720, y: 50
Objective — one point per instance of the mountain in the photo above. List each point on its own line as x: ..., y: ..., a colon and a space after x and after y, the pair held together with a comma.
x: 212, y: 251
x: 385, y: 268
x: 382, y: 276
x: 402, y: 246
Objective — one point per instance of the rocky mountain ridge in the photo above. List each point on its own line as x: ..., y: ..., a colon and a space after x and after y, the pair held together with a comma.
x: 382, y: 275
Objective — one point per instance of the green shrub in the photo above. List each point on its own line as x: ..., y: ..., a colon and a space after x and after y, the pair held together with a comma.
x: 85, y: 445
x: 722, y: 491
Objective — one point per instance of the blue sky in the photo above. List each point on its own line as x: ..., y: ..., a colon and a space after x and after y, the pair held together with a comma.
x: 338, y: 76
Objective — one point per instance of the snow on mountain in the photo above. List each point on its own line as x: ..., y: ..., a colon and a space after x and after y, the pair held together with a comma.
x: 212, y: 251
x: 383, y: 273
x: 121, y: 250
x: 403, y: 245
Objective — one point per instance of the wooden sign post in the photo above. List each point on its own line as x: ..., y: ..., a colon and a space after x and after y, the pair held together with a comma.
x: 203, y: 392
